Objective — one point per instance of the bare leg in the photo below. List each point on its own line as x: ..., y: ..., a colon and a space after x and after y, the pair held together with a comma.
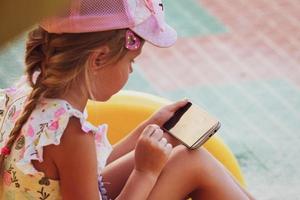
x: 187, y: 172
x: 116, y: 174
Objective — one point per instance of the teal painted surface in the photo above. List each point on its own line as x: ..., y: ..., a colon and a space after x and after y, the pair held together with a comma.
x: 137, y: 82
x: 11, y: 62
x: 260, y: 122
x: 189, y: 18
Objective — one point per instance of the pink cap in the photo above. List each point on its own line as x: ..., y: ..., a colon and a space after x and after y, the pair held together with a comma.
x: 144, y: 17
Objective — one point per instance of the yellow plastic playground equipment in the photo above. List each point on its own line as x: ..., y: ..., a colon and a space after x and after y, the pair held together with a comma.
x: 127, y: 109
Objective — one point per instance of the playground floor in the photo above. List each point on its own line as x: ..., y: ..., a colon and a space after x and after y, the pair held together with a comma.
x: 240, y: 60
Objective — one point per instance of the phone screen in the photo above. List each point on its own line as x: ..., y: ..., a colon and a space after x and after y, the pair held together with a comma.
x: 192, y: 125
x: 176, y: 117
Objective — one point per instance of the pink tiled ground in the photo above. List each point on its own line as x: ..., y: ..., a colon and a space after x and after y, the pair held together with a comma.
x: 262, y: 41
x: 250, y: 77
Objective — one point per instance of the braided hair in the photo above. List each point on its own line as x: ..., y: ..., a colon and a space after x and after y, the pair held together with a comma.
x: 60, y: 61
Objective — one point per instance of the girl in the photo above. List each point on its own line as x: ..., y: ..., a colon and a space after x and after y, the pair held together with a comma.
x: 50, y: 151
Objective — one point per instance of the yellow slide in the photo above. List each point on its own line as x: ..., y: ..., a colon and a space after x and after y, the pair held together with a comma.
x: 125, y: 110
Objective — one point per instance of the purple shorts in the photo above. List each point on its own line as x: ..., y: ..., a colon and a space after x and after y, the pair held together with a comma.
x: 103, y: 191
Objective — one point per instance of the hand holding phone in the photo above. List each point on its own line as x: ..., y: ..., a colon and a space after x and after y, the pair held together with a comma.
x: 192, y: 125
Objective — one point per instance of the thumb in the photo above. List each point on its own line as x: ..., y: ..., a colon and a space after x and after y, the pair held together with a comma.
x: 175, y: 106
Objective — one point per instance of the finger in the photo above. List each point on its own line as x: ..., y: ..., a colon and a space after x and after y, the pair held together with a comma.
x: 163, y: 141
x: 157, y: 134
x: 175, y: 106
x: 149, y: 130
x: 168, y: 148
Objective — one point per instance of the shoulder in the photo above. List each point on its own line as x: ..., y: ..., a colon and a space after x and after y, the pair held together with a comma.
x: 54, y: 128
x: 76, y: 162
x: 74, y: 136
x: 63, y: 127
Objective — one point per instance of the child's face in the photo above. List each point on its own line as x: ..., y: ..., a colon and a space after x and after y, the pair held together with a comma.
x: 111, y: 79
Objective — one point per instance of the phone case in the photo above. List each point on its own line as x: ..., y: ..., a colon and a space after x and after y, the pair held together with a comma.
x: 192, y: 125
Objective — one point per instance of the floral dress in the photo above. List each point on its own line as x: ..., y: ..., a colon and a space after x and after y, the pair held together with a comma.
x: 44, y: 127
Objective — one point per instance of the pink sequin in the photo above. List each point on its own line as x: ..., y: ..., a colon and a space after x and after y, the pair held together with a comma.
x: 30, y: 131
x: 54, y: 126
x: 7, y: 178
x: 59, y: 112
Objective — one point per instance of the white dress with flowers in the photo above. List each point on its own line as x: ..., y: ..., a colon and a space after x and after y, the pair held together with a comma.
x: 44, y: 127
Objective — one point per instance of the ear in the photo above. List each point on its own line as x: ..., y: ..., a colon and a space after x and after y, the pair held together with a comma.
x: 98, y: 57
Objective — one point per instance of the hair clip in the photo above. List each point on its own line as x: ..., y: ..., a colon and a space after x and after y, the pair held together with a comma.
x: 5, y: 151
x: 133, y: 42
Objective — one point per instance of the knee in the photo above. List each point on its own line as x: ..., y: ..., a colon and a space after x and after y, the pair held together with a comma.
x: 199, y: 160
x: 182, y: 152
x: 202, y: 168
x: 186, y: 157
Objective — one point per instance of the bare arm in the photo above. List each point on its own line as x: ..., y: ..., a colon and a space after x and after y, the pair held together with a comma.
x: 159, y: 117
x: 128, y: 143
x: 151, y: 154
x: 76, y: 162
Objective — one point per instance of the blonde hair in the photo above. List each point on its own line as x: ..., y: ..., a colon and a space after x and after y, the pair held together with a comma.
x: 60, y: 59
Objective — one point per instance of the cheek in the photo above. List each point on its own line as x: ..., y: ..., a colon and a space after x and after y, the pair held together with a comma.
x: 124, y: 74
x: 120, y: 76
x: 114, y: 79
x: 125, y: 70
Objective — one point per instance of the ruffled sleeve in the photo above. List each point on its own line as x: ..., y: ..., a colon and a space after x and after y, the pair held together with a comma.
x: 46, y: 126
x: 103, y: 145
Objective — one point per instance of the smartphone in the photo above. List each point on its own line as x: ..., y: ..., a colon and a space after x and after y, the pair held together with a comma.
x: 192, y: 125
